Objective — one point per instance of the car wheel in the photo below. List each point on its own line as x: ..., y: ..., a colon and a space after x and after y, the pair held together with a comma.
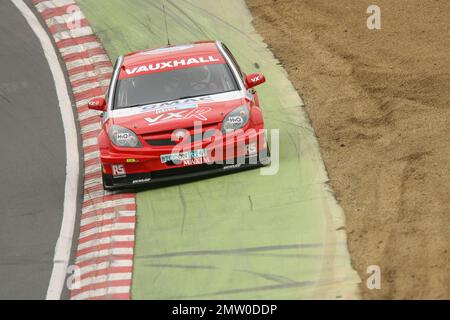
x: 107, y: 183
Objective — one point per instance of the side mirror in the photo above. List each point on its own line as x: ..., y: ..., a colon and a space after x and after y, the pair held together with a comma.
x: 254, y: 79
x: 98, y: 104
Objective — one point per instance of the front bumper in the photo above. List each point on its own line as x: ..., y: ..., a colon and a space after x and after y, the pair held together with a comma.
x: 151, y: 165
x: 161, y: 177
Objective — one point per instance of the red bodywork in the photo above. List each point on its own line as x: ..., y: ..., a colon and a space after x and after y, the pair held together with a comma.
x: 158, y: 122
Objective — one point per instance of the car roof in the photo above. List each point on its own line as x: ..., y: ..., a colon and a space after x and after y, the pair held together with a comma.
x: 170, y: 53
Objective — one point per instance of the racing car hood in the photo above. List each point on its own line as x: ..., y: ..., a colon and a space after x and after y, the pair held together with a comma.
x: 178, y: 114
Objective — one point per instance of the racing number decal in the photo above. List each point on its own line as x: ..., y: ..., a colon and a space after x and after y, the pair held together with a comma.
x: 118, y: 170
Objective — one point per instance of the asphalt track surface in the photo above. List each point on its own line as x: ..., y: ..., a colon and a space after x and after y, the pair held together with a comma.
x: 32, y: 161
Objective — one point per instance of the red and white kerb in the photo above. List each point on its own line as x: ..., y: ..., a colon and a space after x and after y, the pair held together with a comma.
x: 107, y: 228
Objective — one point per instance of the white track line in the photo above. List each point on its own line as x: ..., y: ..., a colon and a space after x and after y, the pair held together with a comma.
x: 64, y: 243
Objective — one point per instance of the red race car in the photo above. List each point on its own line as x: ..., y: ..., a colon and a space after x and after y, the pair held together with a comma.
x: 179, y: 112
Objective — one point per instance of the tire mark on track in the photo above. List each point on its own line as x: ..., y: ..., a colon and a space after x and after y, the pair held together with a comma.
x: 183, y: 203
x: 236, y: 251
x: 216, y: 17
x: 180, y: 266
x: 184, y: 13
x: 297, y: 284
x: 269, y: 276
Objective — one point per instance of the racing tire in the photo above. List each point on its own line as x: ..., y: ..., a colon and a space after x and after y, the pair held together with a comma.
x: 107, y: 182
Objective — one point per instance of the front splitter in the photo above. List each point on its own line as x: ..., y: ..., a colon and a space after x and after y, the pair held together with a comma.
x: 179, y: 174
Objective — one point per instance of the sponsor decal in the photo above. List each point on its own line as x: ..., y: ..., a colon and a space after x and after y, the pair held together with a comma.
x: 220, y: 97
x: 175, y: 107
x: 184, y: 156
x: 255, y: 79
x: 236, y: 120
x: 122, y: 137
x: 198, y: 114
x: 189, y: 101
x: 171, y: 65
x: 142, y: 180
x: 233, y: 166
x: 118, y: 171
x: 191, y: 162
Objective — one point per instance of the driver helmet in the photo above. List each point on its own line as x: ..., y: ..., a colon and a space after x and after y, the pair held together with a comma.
x: 201, y: 74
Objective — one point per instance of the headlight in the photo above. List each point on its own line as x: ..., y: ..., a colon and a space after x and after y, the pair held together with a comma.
x: 123, y: 137
x: 236, y: 119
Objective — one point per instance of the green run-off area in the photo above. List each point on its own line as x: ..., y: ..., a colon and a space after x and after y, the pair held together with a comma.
x: 244, y: 235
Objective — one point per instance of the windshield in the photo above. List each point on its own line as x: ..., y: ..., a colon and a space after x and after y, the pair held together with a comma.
x: 173, y: 85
